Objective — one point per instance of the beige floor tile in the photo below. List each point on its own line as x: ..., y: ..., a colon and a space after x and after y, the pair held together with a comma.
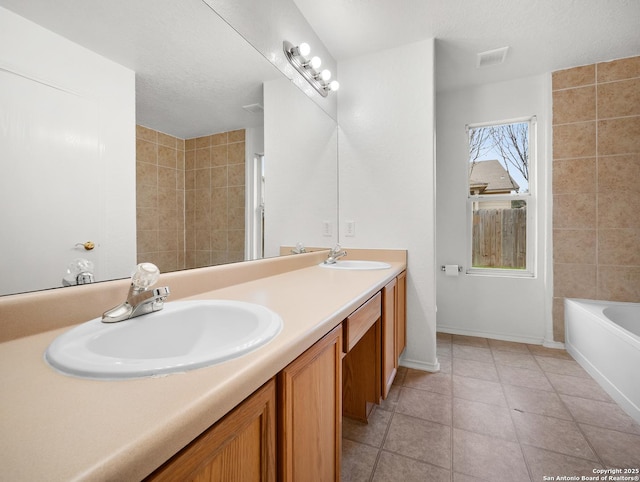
x: 540, y: 350
x: 396, y: 468
x: 515, y: 359
x: 445, y: 364
x: 482, y: 418
x: 553, y: 434
x: 616, y: 449
x: 434, y: 382
x: 447, y: 337
x: 578, y: 386
x: 357, y: 461
x: 488, y: 458
x: 539, y: 402
x: 420, y: 439
x: 389, y: 403
x: 478, y: 390
x: 551, y: 464
x: 470, y: 340
x: 425, y: 405
x: 400, y: 375
x: 472, y: 353
x: 443, y: 348
x: 601, y: 414
x: 523, y: 377
x: 474, y: 369
x: 371, y: 433
x: 465, y: 478
x: 561, y: 367
x: 501, y: 345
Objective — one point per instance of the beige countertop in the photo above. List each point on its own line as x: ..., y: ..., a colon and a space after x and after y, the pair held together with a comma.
x: 57, y: 427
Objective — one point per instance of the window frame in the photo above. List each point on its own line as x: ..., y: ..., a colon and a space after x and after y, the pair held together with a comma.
x: 529, y: 197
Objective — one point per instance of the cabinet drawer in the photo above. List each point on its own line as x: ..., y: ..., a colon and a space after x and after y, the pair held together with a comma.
x: 359, y: 322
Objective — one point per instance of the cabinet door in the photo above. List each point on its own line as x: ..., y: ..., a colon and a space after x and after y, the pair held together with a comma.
x: 310, y: 413
x: 238, y: 448
x: 389, y: 358
x: 401, y: 314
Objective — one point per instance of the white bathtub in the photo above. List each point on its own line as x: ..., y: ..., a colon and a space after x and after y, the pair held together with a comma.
x: 604, y: 338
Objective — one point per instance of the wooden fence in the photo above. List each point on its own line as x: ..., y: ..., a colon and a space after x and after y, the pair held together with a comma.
x: 500, y: 238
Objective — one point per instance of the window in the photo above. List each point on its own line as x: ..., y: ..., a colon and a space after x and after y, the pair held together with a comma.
x: 500, y: 197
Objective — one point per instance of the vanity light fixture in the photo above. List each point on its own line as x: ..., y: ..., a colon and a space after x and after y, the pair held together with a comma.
x: 308, y: 68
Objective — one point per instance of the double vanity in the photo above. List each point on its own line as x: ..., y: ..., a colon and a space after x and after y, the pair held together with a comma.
x: 275, y: 409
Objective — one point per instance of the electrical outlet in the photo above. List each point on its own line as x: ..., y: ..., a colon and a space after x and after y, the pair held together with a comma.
x: 326, y: 228
x: 350, y: 229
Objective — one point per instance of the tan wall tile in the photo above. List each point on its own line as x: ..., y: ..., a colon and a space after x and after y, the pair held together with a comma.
x: 203, y: 158
x: 619, y: 69
x: 574, y: 77
x: 147, y: 218
x: 146, y: 134
x: 167, y: 140
x: 146, y: 151
x: 202, y: 142
x: 236, y: 136
x: 619, y: 247
x: 619, y: 136
x: 576, y: 246
x: 574, y: 280
x: 219, y: 240
x: 574, y: 140
x: 168, y: 240
x: 219, y: 176
x: 619, y: 173
x: 619, y: 283
x: 618, y: 209
x: 203, y: 178
x: 219, y: 156
x: 235, y: 153
x: 167, y: 156
x: 574, y: 105
x: 236, y: 196
x: 146, y: 195
x: 190, y: 144
x: 574, y: 176
x: 236, y: 240
x: 189, y: 160
x: 146, y: 174
x: 558, y: 319
x: 218, y: 139
x: 619, y: 99
x: 236, y: 175
x: 574, y: 211
x: 147, y: 241
x: 166, y: 178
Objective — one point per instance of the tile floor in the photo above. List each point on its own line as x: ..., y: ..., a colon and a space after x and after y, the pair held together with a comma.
x: 497, y: 411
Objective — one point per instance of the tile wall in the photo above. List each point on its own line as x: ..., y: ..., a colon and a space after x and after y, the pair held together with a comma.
x: 214, y: 202
x: 160, y: 163
x: 190, y: 199
x: 596, y: 184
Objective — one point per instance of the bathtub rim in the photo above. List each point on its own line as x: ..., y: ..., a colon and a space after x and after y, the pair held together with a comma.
x: 596, y: 308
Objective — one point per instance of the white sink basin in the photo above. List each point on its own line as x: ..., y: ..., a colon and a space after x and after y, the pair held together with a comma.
x: 185, y: 335
x: 356, y: 264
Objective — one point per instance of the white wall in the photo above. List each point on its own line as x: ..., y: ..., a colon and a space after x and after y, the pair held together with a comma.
x: 301, y: 170
x: 516, y: 309
x: 68, y: 158
x: 386, y: 178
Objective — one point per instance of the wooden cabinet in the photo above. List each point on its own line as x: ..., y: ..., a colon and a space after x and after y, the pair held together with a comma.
x: 310, y: 411
x: 239, y: 447
x: 361, y: 363
x: 401, y: 313
x: 394, y: 338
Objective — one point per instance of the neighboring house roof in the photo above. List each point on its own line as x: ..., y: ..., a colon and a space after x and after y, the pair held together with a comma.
x: 490, y: 177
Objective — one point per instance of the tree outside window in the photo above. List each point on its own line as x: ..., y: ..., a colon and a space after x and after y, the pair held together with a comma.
x: 499, y: 190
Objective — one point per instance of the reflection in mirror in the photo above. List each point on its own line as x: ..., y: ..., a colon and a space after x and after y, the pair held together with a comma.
x: 197, y: 135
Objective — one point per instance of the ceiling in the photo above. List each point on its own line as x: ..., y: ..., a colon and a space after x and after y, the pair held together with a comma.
x: 194, y: 73
x: 542, y: 35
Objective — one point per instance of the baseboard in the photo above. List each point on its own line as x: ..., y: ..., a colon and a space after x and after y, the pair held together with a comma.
x: 496, y: 336
x: 420, y: 365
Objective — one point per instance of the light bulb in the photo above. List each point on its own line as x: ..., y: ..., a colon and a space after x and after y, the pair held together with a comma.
x: 304, y: 49
x: 334, y: 85
x: 315, y: 62
x: 325, y: 75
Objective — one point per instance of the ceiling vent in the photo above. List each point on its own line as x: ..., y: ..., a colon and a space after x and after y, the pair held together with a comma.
x: 254, y: 108
x: 492, y: 57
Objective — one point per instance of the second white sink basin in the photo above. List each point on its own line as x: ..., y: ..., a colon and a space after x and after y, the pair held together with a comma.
x: 185, y: 335
x: 357, y: 264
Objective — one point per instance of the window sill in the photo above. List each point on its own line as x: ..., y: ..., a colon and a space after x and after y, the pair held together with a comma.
x: 501, y: 273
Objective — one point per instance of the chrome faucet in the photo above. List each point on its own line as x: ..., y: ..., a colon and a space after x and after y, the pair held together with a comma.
x: 334, y: 254
x: 141, y: 299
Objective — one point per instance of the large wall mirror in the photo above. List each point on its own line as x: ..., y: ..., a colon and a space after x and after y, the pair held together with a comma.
x: 232, y: 159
